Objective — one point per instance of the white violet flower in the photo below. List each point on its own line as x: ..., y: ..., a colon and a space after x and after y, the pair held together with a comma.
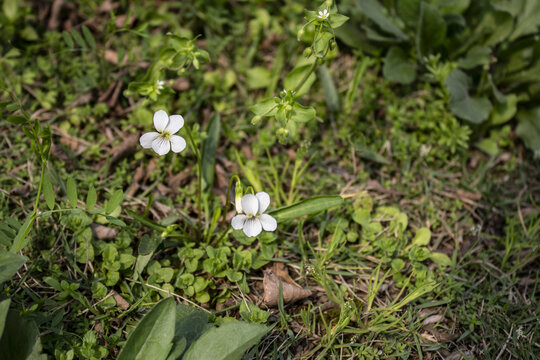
x: 323, y: 14
x: 253, y: 221
x: 160, y: 84
x: 164, y: 140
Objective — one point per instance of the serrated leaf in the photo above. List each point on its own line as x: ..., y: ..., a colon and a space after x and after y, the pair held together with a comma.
x: 152, y: 338
x: 91, y: 197
x: 397, y: 67
x: 305, y: 207
x: 48, y: 191
x: 114, y: 201
x: 227, y: 342
x: 71, y: 189
x: 10, y: 263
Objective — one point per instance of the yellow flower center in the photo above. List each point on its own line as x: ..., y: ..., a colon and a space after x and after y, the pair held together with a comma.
x: 165, y: 135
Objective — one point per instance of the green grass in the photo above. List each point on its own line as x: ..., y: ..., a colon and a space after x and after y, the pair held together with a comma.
x: 382, y: 285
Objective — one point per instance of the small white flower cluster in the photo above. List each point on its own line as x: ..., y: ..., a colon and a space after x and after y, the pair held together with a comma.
x: 251, y: 217
x: 323, y: 15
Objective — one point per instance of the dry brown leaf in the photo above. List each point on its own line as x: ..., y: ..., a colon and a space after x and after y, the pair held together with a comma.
x: 120, y: 301
x: 281, y: 271
x: 290, y: 292
x: 432, y: 319
x: 102, y: 232
x: 127, y: 148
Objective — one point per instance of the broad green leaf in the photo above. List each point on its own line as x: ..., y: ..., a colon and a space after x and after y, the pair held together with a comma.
x: 422, y: 237
x: 476, y: 56
x: 329, y: 89
x: 474, y: 110
x: 114, y: 201
x: 152, y: 338
x: 19, y: 338
x: 451, y: 7
x: 267, y: 107
x: 528, y: 20
x: 431, y: 30
x: 489, y: 146
x: 4, y: 307
x: 504, y: 112
x: 302, y: 114
x: 227, y: 342
x: 48, y: 191
x: 440, y: 259
x: 91, y: 197
x: 258, y: 77
x: 293, y: 79
x: 190, y: 324
x: 336, y: 20
x: 9, y: 8
x: 528, y: 128
x: 397, y: 67
x: 307, y: 207
x: 89, y: 37
x: 209, y: 149
x: 71, y: 189
x: 375, y: 12
x: 178, y: 348
x: 408, y: 11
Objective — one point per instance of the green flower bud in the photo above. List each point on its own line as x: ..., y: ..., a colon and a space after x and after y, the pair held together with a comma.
x: 332, y: 44
x: 308, y: 52
x: 255, y: 120
x: 238, y: 192
x: 320, y: 61
x: 300, y: 33
x: 328, y: 3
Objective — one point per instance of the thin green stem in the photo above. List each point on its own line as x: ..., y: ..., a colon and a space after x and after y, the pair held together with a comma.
x: 199, y: 175
x: 304, y: 79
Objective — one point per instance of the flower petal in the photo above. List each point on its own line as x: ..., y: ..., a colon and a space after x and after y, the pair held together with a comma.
x: 175, y: 123
x: 161, y: 146
x: 252, y: 227
x: 250, y: 204
x: 268, y: 222
x: 237, y: 222
x: 177, y: 143
x: 147, y: 139
x: 264, y: 201
x: 161, y: 119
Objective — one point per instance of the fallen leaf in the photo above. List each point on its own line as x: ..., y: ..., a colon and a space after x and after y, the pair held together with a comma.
x: 290, y: 292
x: 102, y: 232
x: 120, y: 301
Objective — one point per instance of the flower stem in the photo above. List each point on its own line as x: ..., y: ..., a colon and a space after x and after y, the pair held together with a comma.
x: 304, y: 79
x: 199, y: 175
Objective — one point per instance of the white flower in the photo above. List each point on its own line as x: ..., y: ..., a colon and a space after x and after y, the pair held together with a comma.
x: 160, y: 84
x: 164, y: 140
x: 323, y: 14
x: 253, y: 221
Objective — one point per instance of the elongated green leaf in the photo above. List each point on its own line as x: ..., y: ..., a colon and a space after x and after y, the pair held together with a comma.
x: 88, y: 37
x: 307, y: 207
x: 528, y: 21
x: 329, y: 88
x: 71, y: 189
x: 4, y: 307
x: 528, y: 128
x: 48, y: 191
x: 293, y: 79
x: 91, y: 197
x: 302, y: 114
x: 114, y: 201
x: 432, y: 28
x: 422, y: 237
x: 209, y: 149
x: 474, y: 110
x: 68, y: 40
x: 375, y: 12
x: 16, y: 119
x: 227, y: 342
x: 78, y: 38
x: 440, y: 259
x: 152, y: 338
x: 145, y: 221
x: 22, y: 235
x: 266, y: 107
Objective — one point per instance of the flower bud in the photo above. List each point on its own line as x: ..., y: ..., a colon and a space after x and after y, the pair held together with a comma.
x: 332, y: 44
x: 255, y: 120
x: 238, y: 197
x: 308, y: 52
x: 320, y: 61
x: 300, y: 33
x: 328, y: 3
